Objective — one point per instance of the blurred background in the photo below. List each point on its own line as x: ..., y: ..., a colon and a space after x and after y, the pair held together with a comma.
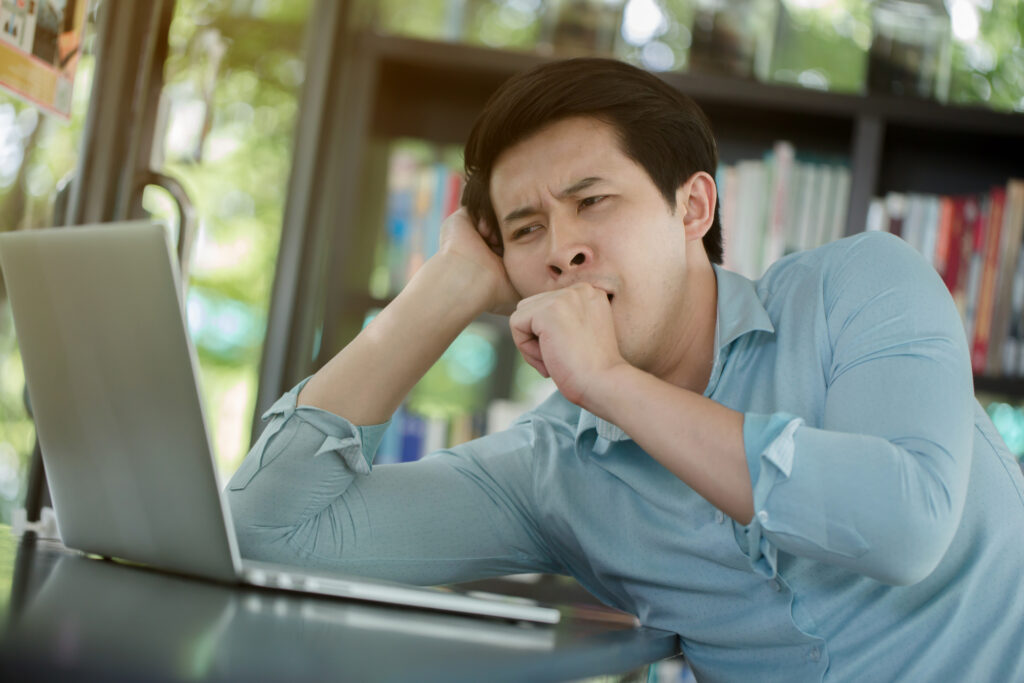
x: 230, y: 117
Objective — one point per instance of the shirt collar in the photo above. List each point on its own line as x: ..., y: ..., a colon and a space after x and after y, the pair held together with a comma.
x: 740, y: 312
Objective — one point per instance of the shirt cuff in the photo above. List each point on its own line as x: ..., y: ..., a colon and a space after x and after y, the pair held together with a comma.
x: 769, y: 444
x: 355, y: 445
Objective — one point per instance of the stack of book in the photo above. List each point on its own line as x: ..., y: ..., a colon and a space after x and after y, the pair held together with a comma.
x: 975, y: 244
x: 411, y: 436
x: 780, y: 204
x: 421, y: 193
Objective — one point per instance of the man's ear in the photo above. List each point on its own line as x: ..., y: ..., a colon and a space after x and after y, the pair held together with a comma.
x: 695, y: 204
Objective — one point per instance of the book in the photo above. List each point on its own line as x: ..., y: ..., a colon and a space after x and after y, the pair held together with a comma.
x: 895, y: 208
x: 423, y: 188
x: 840, y: 204
x: 1010, y: 240
x: 953, y: 274
x: 808, y: 207
x: 748, y: 236
x: 974, y: 220
x: 781, y: 161
x: 974, y: 242
x: 821, y: 222
x: 729, y: 199
x: 780, y: 204
x: 986, y: 296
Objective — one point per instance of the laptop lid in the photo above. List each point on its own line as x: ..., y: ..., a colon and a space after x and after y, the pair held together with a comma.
x: 111, y: 378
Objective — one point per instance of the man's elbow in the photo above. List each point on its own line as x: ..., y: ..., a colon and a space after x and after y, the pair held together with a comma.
x: 914, y: 551
x: 905, y: 570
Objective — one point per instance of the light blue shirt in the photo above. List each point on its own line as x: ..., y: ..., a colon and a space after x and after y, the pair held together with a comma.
x: 888, y: 539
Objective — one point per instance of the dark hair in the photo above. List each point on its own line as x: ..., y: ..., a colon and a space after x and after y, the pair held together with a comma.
x: 660, y: 128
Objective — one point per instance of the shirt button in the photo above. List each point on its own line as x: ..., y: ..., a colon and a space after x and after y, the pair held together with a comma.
x: 719, y: 516
x: 815, y: 654
x: 775, y: 585
x: 762, y: 516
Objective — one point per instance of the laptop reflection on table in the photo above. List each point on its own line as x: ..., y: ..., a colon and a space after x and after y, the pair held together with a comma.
x: 96, y: 616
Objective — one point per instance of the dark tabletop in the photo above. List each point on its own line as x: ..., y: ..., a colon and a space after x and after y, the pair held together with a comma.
x: 74, y: 617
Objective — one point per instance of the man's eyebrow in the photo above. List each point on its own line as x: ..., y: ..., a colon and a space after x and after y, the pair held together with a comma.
x: 578, y: 186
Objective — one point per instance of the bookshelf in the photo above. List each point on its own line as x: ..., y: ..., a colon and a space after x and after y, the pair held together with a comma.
x: 411, y: 88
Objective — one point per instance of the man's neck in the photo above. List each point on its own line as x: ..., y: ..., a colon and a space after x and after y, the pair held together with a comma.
x: 696, y: 350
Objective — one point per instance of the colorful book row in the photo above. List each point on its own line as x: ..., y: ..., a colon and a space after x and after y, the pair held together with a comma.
x: 420, y: 196
x: 778, y: 205
x: 769, y: 207
x: 411, y: 436
x: 976, y: 243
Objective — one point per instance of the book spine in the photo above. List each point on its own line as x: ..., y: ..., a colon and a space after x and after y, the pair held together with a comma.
x: 986, y: 298
x: 895, y: 209
x: 841, y: 205
x: 747, y: 239
x: 797, y: 198
x: 413, y: 430
x: 877, y: 220
x: 821, y: 224
x: 973, y: 213
x: 932, y: 220
x: 782, y: 159
x: 951, y: 273
x: 438, y: 208
x: 1010, y: 241
x: 401, y: 197
x: 727, y: 186
x: 912, y: 224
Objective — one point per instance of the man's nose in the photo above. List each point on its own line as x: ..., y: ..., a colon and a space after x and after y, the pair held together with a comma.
x: 569, y: 250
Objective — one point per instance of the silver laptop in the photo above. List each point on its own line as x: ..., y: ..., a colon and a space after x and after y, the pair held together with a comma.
x: 111, y: 374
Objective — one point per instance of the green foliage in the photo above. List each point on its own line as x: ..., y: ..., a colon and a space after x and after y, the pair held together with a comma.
x: 234, y: 74
x: 824, y: 47
x: 513, y: 24
x: 990, y: 69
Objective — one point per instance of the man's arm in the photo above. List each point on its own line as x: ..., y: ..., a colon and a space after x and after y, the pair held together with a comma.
x: 660, y: 417
x: 569, y: 335
x: 878, y: 488
x: 459, y: 515
x: 304, y: 493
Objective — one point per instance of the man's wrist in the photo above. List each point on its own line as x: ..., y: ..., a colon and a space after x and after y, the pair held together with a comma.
x: 609, y: 391
x: 452, y: 285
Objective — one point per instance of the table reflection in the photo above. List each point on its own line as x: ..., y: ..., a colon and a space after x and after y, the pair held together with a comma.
x: 94, y: 616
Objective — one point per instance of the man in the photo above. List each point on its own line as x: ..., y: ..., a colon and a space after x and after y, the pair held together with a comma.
x: 792, y: 474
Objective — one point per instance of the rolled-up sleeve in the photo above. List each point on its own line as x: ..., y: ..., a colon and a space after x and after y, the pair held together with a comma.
x: 307, y: 493
x: 879, y: 486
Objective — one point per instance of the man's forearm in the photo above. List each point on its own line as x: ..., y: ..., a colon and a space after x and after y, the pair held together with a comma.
x: 698, y: 440
x: 368, y: 379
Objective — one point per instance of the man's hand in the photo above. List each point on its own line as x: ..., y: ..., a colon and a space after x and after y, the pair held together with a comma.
x: 475, y: 249
x: 568, y: 335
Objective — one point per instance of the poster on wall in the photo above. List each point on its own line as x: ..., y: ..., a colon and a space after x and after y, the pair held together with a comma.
x: 40, y: 42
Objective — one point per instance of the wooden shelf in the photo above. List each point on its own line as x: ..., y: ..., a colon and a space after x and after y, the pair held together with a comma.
x: 456, y: 67
x: 1010, y: 387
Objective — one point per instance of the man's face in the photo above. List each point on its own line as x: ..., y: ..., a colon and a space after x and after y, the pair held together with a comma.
x: 572, y: 207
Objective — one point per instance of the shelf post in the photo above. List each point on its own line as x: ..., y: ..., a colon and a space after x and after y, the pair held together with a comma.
x: 865, y: 164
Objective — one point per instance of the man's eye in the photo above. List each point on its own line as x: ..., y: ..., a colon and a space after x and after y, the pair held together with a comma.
x: 590, y: 201
x: 523, y: 232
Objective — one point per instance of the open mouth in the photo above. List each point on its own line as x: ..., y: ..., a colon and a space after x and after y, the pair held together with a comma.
x: 610, y: 297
